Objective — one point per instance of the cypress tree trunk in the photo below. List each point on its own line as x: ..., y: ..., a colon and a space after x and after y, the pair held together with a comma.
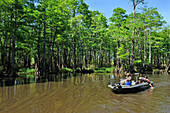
x: 9, y: 57
x: 109, y: 57
x: 132, y: 56
x: 57, y: 57
x: 150, y: 51
x: 145, y: 53
x: 38, y: 47
x: 94, y: 60
x: 52, y: 51
x: 133, y: 41
x: 118, y: 60
x: 65, y: 57
x: 13, y: 42
x: 140, y: 48
x: 85, y: 56
x: 100, y: 54
x: 157, y: 64
x: 90, y: 59
x: 114, y: 57
x: 102, y: 58
x: 168, y: 55
x: 62, y: 59
x: 74, y: 54
x: 168, y: 60
x: 2, y: 54
x: 44, y: 49
x: 29, y: 61
x: 81, y: 52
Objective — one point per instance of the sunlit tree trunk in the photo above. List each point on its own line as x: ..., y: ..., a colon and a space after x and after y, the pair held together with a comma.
x: 133, y: 36
x: 140, y: 48
x: 150, y: 50
x: 145, y: 53
x: 118, y: 60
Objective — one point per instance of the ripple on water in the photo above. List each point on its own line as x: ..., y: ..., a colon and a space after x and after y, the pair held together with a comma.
x: 84, y: 94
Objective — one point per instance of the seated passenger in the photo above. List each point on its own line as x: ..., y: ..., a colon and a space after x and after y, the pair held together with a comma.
x: 128, y: 78
x: 128, y: 82
x: 147, y: 80
x: 139, y: 82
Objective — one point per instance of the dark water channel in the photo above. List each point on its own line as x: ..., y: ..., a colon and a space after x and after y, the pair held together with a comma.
x: 86, y: 93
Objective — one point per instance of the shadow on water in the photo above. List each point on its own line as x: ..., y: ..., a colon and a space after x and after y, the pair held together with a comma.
x: 41, y: 79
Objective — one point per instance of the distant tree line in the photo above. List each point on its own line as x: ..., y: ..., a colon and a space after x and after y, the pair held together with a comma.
x: 55, y: 34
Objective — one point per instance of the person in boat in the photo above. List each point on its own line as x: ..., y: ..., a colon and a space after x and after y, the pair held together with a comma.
x: 127, y: 81
x: 128, y: 76
x: 139, y: 82
x: 147, y: 80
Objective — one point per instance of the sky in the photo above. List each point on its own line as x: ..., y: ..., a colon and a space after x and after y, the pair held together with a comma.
x: 107, y: 6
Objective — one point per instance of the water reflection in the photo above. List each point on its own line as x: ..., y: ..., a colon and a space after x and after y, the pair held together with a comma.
x: 42, y: 79
x: 79, y: 93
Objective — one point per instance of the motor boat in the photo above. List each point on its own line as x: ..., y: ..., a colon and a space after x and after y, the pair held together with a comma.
x: 135, y: 87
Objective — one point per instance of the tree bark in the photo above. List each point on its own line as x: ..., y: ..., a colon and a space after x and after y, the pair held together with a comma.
x: 133, y: 36
x: 38, y: 47
x: 57, y: 60
x: 74, y: 54
x: 140, y: 48
x: 44, y: 49
x: 150, y: 51
x: 62, y: 65
x: 145, y: 53
x: 13, y: 42
x: 118, y: 59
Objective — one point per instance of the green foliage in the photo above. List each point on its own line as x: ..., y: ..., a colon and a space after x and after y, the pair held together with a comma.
x: 100, y: 71
x: 118, y: 16
x: 122, y: 54
x: 92, y: 67
x: 65, y: 70
x: 104, y: 70
x: 137, y: 61
x: 65, y: 33
x: 27, y: 70
x: 110, y: 69
x: 27, y: 75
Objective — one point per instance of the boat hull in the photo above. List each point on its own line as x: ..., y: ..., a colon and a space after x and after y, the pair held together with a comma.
x: 124, y: 89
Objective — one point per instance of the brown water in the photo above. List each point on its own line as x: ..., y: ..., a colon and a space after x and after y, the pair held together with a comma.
x: 81, y: 94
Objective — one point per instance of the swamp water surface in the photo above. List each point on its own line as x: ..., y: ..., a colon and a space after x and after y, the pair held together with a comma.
x: 87, y: 93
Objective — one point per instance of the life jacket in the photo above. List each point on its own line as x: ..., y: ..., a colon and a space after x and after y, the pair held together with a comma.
x: 145, y: 79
